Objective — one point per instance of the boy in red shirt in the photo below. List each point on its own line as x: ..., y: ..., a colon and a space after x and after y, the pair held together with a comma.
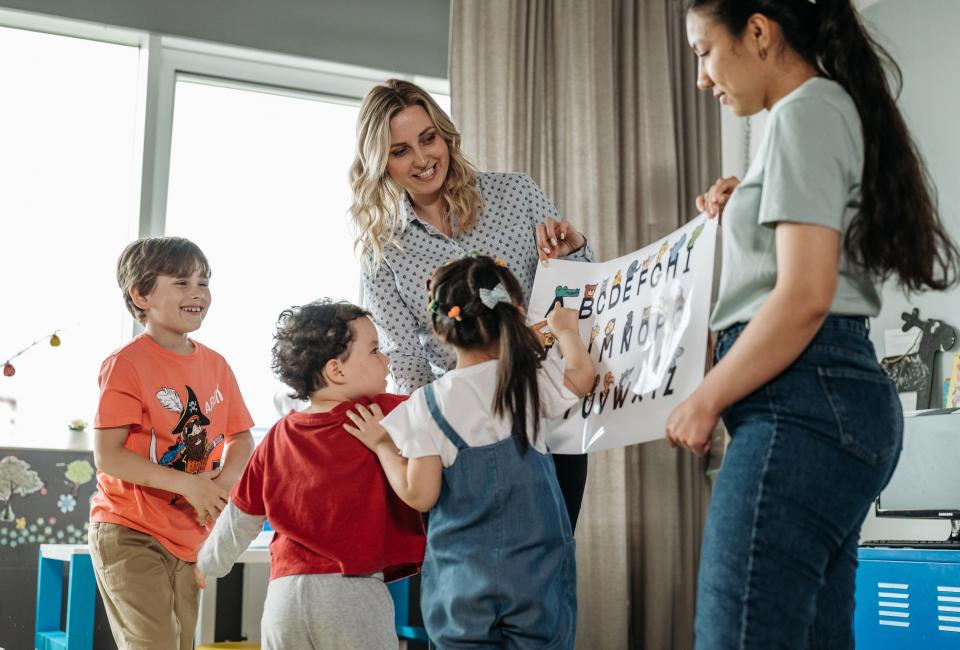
x: 172, y: 437
x: 341, y: 532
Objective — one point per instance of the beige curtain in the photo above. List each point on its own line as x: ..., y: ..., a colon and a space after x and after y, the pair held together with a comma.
x: 597, y: 101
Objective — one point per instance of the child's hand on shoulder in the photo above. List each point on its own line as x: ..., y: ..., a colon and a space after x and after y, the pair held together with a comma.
x: 562, y: 319
x: 368, y: 429
x: 207, y: 497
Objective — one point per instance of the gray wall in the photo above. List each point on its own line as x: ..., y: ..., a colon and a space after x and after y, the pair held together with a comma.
x: 922, y: 36
x: 408, y: 36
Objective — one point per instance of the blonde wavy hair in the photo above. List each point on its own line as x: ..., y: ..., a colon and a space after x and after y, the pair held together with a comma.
x: 375, y: 210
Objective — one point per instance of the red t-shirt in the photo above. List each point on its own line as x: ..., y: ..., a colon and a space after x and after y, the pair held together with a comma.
x: 181, y: 409
x: 328, y: 500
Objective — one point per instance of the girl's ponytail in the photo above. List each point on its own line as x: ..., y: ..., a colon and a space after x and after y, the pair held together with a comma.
x: 474, y: 306
x: 517, y: 391
x: 897, y: 231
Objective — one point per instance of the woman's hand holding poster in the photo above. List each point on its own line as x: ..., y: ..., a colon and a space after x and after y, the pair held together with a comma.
x: 644, y: 319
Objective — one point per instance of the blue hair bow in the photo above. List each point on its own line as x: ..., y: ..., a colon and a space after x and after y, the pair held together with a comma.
x: 490, y: 297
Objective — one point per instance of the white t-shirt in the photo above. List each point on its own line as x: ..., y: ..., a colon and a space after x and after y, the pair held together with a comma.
x: 465, y: 397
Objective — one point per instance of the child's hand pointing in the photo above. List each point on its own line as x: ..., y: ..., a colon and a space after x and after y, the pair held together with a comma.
x: 367, y: 429
x: 563, y: 319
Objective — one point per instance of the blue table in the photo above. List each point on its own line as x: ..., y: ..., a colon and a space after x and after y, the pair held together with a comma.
x: 400, y: 591
x: 82, y: 594
x: 81, y: 598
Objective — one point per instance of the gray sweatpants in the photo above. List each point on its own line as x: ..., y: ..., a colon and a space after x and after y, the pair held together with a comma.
x: 321, y: 611
x: 328, y: 611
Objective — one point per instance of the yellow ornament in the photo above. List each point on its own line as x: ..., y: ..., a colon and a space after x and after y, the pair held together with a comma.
x: 54, y: 340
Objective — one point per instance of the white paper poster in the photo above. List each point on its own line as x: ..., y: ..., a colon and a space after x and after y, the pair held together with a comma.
x: 644, y: 319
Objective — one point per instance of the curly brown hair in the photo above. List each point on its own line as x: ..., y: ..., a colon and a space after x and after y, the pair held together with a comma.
x: 307, y: 337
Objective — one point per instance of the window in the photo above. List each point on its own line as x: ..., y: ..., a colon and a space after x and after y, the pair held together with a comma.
x: 258, y: 180
x: 246, y: 153
x: 68, y: 206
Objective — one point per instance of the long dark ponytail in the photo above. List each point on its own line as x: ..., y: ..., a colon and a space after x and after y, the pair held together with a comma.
x: 897, y: 231
x: 460, y: 318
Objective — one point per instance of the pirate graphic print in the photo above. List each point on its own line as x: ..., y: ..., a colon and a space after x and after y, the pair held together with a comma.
x: 191, y: 449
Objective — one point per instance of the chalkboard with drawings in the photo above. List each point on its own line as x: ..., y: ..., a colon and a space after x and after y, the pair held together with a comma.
x: 44, y: 499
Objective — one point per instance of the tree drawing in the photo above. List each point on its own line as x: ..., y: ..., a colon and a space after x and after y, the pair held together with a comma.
x: 16, y: 477
x: 79, y: 472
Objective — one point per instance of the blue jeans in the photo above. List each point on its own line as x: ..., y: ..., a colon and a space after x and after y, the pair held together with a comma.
x: 809, y: 453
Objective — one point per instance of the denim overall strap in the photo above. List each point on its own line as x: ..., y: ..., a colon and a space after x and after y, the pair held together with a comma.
x: 441, y: 421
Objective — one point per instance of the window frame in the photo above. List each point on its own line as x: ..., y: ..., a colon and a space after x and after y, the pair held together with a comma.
x: 173, y: 57
x: 163, y: 59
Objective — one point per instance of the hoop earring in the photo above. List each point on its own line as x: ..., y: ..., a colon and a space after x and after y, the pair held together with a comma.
x: 763, y: 54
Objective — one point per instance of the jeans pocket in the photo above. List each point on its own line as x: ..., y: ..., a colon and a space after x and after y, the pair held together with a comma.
x: 867, y: 412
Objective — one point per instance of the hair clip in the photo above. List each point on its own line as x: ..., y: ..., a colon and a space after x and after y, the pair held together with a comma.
x: 454, y: 313
x: 474, y: 253
x: 500, y: 262
x: 491, y: 297
x: 432, y: 305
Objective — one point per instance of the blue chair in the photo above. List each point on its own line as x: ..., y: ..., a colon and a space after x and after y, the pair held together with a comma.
x: 400, y: 591
x: 81, y: 598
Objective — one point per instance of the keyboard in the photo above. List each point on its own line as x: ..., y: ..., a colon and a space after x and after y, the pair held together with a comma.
x: 912, y: 543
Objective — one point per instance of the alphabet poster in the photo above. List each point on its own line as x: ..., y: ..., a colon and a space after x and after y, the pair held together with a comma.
x: 644, y: 319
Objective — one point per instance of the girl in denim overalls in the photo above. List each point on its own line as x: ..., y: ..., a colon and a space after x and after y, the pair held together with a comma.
x: 499, y: 567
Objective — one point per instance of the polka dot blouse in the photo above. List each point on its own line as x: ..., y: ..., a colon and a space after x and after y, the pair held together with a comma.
x: 397, y: 294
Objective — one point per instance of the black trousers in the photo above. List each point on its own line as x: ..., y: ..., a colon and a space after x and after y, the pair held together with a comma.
x: 572, y: 476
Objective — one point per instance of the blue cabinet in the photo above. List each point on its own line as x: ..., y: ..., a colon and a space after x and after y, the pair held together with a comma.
x: 908, y: 598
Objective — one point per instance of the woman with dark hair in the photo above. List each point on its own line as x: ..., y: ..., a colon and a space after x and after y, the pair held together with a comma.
x: 836, y: 201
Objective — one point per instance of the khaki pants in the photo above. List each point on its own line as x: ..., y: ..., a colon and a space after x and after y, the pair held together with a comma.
x: 150, y: 595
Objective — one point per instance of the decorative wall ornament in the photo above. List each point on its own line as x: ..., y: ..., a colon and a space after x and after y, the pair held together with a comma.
x: 914, y: 370
x: 9, y: 370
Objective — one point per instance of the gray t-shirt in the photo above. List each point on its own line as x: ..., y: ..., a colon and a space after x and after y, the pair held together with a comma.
x: 807, y: 170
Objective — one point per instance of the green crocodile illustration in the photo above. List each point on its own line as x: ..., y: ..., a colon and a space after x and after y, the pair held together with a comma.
x: 561, y: 292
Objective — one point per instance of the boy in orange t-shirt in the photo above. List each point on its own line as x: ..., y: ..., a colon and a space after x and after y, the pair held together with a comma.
x: 172, y: 437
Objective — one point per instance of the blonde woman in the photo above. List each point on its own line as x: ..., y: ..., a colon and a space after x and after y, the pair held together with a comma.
x: 419, y: 203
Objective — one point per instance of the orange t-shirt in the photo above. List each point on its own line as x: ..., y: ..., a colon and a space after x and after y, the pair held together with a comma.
x: 180, y: 410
